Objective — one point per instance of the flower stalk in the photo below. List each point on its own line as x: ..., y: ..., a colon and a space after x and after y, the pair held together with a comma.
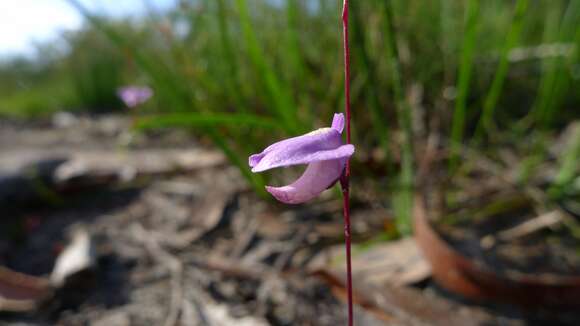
x: 345, y: 178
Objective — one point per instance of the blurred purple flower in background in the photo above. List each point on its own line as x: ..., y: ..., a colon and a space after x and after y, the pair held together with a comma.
x: 321, y: 149
x: 134, y: 95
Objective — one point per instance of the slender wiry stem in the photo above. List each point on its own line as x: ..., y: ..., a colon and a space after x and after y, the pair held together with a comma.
x: 344, y: 181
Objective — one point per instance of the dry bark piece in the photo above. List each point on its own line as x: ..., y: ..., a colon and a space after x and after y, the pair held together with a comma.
x: 119, y: 318
x: 395, y: 263
x: 208, y: 215
x: 271, y: 226
x: 77, y: 257
x: 123, y: 166
x: 218, y: 315
x: 396, y: 305
x: 21, y: 292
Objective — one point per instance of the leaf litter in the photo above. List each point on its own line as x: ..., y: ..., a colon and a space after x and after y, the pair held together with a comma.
x: 189, y: 244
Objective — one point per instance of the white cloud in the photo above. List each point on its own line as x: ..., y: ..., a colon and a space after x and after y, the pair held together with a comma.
x: 25, y: 21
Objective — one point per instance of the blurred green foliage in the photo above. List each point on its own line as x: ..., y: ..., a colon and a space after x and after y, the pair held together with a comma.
x: 464, y: 71
x: 96, y: 69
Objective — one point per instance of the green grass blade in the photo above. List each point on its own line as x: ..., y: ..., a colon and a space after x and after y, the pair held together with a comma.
x: 486, y: 119
x: 403, y: 202
x: 296, y: 72
x: 293, y: 53
x: 448, y: 39
x: 569, y: 168
x: 554, y: 80
x: 561, y: 83
x: 280, y: 100
x: 380, y: 127
x: 548, y: 65
x: 465, y: 70
x: 232, y: 80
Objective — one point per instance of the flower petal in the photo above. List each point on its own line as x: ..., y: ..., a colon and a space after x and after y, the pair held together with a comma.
x: 317, y: 177
x: 338, y: 122
x: 301, y: 156
x: 134, y: 95
x: 319, y: 145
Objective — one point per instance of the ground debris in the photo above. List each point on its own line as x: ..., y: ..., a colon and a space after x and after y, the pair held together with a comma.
x: 396, y: 263
x: 193, y: 247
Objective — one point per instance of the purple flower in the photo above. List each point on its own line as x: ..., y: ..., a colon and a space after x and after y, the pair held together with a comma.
x: 134, y: 95
x: 321, y: 149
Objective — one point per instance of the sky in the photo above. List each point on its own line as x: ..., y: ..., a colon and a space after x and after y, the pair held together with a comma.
x: 23, y: 22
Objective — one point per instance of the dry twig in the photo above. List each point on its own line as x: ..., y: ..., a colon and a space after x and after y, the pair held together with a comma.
x: 175, y: 267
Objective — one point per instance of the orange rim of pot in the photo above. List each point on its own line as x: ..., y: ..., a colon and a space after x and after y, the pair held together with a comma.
x: 463, y: 275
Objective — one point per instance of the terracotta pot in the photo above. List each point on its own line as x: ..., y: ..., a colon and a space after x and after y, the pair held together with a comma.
x: 462, y: 275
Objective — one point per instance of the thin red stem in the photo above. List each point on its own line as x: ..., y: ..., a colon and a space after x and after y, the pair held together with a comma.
x: 345, y: 180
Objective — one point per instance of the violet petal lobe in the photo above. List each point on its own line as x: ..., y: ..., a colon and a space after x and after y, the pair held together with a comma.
x: 338, y: 122
x: 301, y: 156
x: 319, y: 135
x: 319, y: 139
x: 317, y: 177
x: 319, y: 145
